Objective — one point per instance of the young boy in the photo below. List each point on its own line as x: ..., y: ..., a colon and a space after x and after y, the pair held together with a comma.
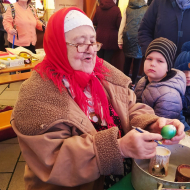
x: 183, y: 63
x: 162, y: 86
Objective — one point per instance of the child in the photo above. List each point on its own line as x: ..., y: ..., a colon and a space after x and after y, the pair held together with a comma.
x: 162, y: 86
x: 183, y: 63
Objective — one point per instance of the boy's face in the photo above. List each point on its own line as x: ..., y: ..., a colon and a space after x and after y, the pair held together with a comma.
x: 187, y: 74
x: 155, y: 66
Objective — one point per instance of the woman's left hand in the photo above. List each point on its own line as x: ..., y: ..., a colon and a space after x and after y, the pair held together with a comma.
x: 161, y: 122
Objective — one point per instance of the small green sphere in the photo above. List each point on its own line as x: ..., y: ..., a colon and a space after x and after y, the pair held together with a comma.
x: 168, y: 131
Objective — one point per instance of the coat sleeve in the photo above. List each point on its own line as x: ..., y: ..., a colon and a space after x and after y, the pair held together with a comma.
x: 95, y: 21
x: 147, y: 26
x: 57, y: 154
x: 38, y: 22
x: 140, y: 114
x: 8, y: 20
x: 121, y: 28
x: 118, y: 20
x: 169, y: 105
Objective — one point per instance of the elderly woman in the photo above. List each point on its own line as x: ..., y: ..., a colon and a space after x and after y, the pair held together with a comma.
x: 74, y: 115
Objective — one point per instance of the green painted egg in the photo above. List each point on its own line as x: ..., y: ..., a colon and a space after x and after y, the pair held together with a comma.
x: 168, y: 131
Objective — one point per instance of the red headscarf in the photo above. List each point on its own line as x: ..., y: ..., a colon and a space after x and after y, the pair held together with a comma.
x: 56, y: 65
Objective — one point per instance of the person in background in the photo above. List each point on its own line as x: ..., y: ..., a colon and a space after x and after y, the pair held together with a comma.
x: 128, y: 37
x: 23, y: 26
x: 74, y: 115
x: 107, y: 21
x: 168, y: 19
x: 6, y: 1
x: 162, y: 86
x: 183, y: 63
x: 149, y: 2
x: 2, y: 31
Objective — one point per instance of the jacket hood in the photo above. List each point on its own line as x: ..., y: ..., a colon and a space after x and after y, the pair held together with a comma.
x: 106, y: 4
x: 136, y: 4
x: 177, y: 82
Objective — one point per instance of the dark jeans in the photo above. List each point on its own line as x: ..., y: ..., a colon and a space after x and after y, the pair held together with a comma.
x: 136, y: 67
x: 2, y: 41
x: 106, y: 54
x: 31, y: 48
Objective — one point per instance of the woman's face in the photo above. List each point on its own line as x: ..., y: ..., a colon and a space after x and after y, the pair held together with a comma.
x: 81, y: 61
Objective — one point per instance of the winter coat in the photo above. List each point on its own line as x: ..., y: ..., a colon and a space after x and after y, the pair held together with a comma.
x: 165, y: 19
x: 163, y: 96
x: 128, y: 31
x: 61, y: 147
x: 107, y: 21
x: 186, y: 105
x: 183, y: 120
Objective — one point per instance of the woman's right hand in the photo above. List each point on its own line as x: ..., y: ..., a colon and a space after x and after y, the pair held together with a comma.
x: 139, y: 145
x: 13, y: 31
x: 120, y: 46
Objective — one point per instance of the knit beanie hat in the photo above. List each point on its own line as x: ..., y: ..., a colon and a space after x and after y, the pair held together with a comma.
x: 183, y: 60
x: 164, y: 46
x: 75, y: 19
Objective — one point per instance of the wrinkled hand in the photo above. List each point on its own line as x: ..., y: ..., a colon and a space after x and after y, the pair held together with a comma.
x: 138, y: 145
x: 12, y: 32
x: 120, y: 46
x: 161, y: 122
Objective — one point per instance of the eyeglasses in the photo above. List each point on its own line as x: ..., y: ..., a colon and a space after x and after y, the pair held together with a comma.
x: 81, y: 48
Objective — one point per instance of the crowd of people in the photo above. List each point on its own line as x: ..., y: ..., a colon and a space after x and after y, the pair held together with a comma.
x: 74, y: 115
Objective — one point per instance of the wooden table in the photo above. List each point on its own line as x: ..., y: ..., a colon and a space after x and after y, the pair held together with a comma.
x: 19, y: 68
x: 7, y: 79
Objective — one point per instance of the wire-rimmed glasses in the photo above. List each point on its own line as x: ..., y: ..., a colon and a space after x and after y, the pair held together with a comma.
x: 81, y: 48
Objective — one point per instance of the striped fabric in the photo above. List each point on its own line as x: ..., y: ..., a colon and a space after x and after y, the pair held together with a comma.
x: 164, y: 46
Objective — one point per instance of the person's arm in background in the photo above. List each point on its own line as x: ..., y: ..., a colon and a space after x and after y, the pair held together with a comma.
x: 8, y: 22
x: 95, y: 21
x: 118, y: 21
x: 39, y: 24
x: 147, y: 26
x: 121, y: 28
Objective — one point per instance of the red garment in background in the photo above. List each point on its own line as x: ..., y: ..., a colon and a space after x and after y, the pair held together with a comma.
x: 6, y: 1
x: 107, y: 19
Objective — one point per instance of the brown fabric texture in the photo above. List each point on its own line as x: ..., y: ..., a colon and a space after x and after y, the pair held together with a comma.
x: 58, y: 141
x: 28, y: 120
x: 144, y: 120
x: 115, y: 161
x: 116, y: 76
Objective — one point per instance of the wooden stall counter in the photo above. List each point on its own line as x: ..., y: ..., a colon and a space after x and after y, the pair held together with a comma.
x: 19, y: 68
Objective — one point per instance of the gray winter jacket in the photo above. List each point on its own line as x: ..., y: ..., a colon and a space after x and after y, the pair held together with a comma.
x: 163, y: 96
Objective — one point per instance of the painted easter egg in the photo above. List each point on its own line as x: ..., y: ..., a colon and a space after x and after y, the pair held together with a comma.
x: 168, y: 131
